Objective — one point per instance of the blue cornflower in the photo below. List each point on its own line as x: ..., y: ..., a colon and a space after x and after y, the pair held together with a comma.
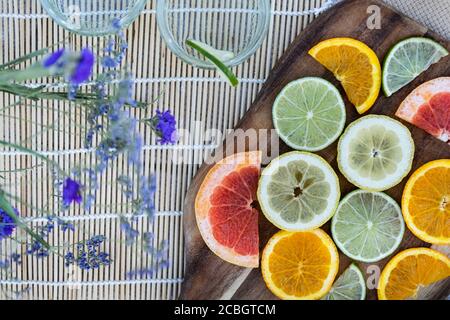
x: 76, y: 66
x: 54, y: 58
x: 7, y: 224
x: 71, y: 192
x: 164, y: 125
x: 84, y: 68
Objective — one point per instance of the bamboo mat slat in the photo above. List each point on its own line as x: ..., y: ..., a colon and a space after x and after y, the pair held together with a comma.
x: 199, y: 100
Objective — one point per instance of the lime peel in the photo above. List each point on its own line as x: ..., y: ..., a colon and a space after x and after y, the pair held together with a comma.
x: 309, y: 114
x: 349, y: 286
x: 402, y: 66
x: 216, y: 57
x: 368, y: 226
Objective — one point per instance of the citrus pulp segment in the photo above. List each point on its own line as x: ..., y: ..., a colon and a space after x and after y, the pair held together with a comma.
x: 300, y: 265
x: 411, y: 270
x: 355, y: 65
x: 426, y: 202
x: 349, y: 286
x: 375, y: 153
x: 367, y: 226
x: 407, y: 60
x: 309, y: 114
x: 298, y: 191
x: 226, y: 217
x: 428, y: 107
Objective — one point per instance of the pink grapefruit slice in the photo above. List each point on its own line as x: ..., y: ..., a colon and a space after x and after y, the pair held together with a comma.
x: 428, y: 107
x: 224, y: 210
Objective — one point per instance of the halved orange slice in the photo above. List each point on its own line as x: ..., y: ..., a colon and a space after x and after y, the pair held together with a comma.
x: 428, y: 107
x: 355, y: 65
x: 227, y: 220
x: 426, y: 202
x: 300, y: 265
x: 409, y: 271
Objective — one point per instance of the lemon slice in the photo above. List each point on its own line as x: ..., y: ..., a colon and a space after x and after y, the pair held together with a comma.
x: 298, y: 191
x: 375, y: 153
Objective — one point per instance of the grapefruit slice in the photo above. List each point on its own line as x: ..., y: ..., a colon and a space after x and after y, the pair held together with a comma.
x: 428, y: 107
x: 224, y: 210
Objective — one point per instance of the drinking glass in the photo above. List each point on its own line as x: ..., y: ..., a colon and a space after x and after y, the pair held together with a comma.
x: 237, y: 26
x: 93, y: 17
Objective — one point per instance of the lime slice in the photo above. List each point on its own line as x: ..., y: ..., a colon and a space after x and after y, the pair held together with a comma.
x: 407, y: 60
x: 309, y: 114
x: 367, y: 226
x: 298, y: 191
x: 217, y: 58
x: 375, y: 153
x: 349, y: 286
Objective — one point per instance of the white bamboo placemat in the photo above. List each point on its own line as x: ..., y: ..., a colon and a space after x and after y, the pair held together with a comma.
x: 199, y: 101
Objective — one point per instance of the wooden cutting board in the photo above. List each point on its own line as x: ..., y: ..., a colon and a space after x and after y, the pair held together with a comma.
x: 209, y: 277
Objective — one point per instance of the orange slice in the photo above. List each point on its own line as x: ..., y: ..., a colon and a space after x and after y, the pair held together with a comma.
x: 426, y: 202
x: 224, y: 210
x: 355, y: 65
x: 409, y: 271
x: 300, y: 265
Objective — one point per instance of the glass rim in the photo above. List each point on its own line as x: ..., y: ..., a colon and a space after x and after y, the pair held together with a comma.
x: 129, y: 19
x: 174, y: 46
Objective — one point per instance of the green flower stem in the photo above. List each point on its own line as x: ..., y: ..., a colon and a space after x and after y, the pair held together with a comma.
x: 6, y: 206
x: 35, y: 71
x: 34, y: 153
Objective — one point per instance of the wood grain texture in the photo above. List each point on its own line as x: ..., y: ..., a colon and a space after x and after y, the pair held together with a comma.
x: 207, y: 276
x: 198, y: 98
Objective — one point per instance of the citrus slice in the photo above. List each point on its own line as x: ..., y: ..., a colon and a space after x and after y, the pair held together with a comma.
x: 349, y: 286
x: 411, y: 270
x: 375, y: 153
x: 355, y: 65
x: 298, y: 191
x: 224, y: 210
x: 300, y: 265
x: 407, y: 60
x: 426, y: 202
x: 368, y: 226
x: 309, y: 114
x: 217, y: 58
x: 428, y: 107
